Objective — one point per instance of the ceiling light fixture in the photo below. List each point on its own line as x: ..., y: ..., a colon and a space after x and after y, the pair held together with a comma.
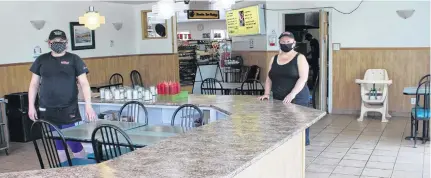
x: 38, y: 24
x: 92, y: 19
x: 405, y: 14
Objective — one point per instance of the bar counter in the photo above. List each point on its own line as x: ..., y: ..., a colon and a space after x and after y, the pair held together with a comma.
x: 258, y: 139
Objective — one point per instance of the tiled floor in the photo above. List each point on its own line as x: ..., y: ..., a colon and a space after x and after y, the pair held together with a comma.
x: 340, y: 147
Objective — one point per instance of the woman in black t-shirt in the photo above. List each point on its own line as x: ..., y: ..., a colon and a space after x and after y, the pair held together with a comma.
x: 288, y: 75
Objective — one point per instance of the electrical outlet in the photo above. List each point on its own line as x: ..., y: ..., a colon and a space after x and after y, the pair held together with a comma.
x: 412, y: 100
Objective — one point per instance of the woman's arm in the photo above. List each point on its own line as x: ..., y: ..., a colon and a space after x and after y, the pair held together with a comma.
x: 303, y: 68
x: 268, y: 82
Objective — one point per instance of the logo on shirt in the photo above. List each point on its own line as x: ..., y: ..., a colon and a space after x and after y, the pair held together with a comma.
x: 65, y: 62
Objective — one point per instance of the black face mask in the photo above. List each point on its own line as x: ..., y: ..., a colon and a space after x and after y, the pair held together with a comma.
x: 286, y: 47
x: 58, y: 47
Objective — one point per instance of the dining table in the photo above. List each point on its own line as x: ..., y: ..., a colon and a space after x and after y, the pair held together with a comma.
x: 411, y: 91
x: 140, y: 134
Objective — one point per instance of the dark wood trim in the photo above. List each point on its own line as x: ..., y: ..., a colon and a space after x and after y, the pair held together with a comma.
x: 90, y: 58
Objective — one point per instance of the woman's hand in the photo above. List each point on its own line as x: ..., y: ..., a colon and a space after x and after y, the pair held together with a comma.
x: 289, y: 98
x: 263, y: 97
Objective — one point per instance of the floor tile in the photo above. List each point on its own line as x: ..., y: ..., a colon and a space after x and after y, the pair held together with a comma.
x: 380, y: 165
x: 336, y: 150
x: 387, y: 159
x: 410, y: 159
x: 316, y: 175
x: 326, y: 161
x: 342, y: 176
x: 332, y: 155
x: 384, y: 153
x: 348, y: 170
x: 408, y: 167
x: 356, y: 157
x: 353, y: 163
x: 341, y: 144
x: 321, y: 168
x: 313, y: 154
x: 360, y: 151
x: 377, y: 172
x: 405, y: 174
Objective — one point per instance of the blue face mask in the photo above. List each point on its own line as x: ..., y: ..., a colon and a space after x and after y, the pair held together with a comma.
x: 58, y: 47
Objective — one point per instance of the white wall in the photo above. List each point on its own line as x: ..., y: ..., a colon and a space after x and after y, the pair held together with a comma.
x: 373, y: 24
x: 208, y: 26
x: 151, y: 46
x: 18, y: 37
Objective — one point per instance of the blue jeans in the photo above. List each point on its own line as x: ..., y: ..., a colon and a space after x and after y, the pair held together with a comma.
x: 304, y: 102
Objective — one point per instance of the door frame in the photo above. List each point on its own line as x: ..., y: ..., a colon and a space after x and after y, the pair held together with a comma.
x: 329, y: 44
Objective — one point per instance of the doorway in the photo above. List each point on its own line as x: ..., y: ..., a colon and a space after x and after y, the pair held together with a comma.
x: 315, y: 23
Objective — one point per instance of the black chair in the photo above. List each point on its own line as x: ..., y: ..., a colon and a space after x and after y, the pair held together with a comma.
x: 48, y: 140
x: 136, y: 78
x: 253, y: 73
x: 421, y: 111
x: 109, y: 142
x: 190, y: 115
x: 252, y: 87
x: 130, y: 111
x: 212, y: 86
x: 116, y: 79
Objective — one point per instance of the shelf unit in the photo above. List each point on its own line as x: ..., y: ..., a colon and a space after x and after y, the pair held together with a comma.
x: 187, y: 64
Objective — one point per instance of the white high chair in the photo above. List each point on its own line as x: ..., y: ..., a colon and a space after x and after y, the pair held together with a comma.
x: 374, y: 93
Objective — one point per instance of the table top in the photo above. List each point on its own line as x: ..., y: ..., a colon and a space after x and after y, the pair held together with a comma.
x: 251, y: 130
x: 140, y: 134
x: 83, y: 131
x: 412, y: 90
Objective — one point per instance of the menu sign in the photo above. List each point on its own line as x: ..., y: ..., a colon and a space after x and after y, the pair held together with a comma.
x: 203, y: 14
x: 245, y: 21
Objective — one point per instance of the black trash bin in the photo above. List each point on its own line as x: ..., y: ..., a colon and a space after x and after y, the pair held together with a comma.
x: 19, y: 123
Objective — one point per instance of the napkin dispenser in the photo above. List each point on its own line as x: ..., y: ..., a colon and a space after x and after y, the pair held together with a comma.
x: 109, y: 115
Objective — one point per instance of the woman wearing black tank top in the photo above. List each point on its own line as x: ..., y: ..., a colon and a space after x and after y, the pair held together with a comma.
x: 288, y: 75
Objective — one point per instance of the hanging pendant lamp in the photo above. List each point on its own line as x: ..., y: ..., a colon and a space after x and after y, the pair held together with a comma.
x: 92, y: 19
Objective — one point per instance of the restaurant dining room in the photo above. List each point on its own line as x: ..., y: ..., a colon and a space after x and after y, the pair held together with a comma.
x: 204, y: 88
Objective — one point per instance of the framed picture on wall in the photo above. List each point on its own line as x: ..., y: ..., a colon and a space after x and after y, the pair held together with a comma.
x: 81, y: 37
x: 206, y: 35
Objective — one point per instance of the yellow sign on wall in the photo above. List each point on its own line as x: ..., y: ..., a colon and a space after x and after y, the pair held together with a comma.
x: 245, y: 21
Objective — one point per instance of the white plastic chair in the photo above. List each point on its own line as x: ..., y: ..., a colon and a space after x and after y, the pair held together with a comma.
x: 374, y: 93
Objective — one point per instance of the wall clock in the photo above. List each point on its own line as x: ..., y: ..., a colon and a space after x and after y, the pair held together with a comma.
x: 200, y: 27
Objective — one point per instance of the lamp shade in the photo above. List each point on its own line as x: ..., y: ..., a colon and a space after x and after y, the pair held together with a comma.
x: 92, y: 19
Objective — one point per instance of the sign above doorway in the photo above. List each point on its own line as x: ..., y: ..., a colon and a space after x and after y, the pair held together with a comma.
x: 203, y: 14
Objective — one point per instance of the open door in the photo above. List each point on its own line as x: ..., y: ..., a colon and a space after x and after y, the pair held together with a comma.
x: 323, y: 63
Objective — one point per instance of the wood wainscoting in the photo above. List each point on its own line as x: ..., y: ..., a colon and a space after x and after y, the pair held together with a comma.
x: 405, y: 66
x: 259, y: 58
x: 153, y: 68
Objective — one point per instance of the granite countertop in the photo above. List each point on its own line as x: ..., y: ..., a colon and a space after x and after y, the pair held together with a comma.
x: 220, y: 149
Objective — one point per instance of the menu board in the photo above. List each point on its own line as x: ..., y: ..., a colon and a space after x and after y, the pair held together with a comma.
x: 245, y: 21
